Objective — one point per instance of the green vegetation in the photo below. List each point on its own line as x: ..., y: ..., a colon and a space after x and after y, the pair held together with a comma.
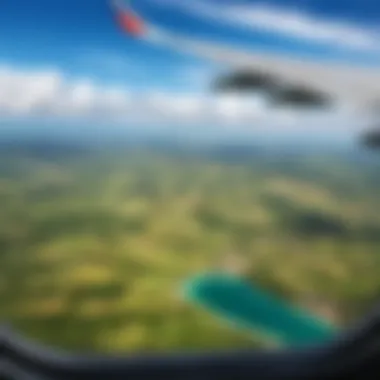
x: 94, y: 245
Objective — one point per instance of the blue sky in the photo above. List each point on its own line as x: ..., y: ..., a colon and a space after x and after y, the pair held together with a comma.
x: 76, y: 42
x: 80, y: 36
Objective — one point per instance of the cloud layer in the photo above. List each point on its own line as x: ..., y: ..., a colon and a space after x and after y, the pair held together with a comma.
x: 50, y: 94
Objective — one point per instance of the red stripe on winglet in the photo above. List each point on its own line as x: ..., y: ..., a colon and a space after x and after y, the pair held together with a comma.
x: 130, y: 23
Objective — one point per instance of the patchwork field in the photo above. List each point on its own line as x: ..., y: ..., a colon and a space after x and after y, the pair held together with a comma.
x: 94, y: 245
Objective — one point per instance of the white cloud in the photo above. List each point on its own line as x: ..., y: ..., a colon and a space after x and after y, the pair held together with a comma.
x: 286, y: 21
x: 50, y: 94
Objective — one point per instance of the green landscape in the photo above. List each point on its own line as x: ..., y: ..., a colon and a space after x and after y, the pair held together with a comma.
x: 95, y: 243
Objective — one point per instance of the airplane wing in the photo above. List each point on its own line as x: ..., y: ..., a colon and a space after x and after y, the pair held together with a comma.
x: 289, y: 80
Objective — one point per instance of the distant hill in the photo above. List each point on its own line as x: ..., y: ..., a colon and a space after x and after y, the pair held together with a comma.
x: 43, y: 149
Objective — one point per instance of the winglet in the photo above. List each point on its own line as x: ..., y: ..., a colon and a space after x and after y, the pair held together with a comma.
x: 127, y: 19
